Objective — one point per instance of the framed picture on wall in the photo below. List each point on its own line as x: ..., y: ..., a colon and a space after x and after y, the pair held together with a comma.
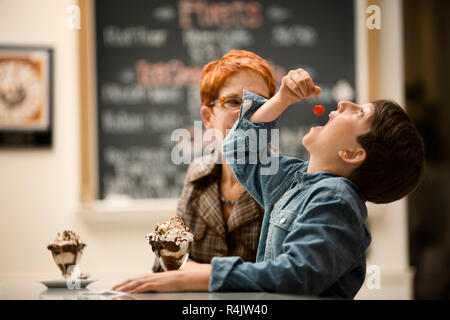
x: 25, y: 97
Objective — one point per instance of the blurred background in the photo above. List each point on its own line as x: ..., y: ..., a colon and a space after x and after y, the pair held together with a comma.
x: 91, y: 92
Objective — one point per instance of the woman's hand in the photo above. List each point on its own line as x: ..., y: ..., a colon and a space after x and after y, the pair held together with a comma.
x: 194, y: 279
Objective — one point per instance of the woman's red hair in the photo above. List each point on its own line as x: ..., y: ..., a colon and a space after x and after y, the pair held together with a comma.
x: 216, y: 73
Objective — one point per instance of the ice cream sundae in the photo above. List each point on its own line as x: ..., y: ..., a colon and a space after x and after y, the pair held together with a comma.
x: 171, y: 241
x: 66, y: 250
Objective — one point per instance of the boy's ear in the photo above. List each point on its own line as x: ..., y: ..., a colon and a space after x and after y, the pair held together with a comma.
x: 206, y: 113
x: 353, y: 156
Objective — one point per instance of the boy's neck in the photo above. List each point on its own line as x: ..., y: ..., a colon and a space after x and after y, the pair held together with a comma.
x: 316, y: 165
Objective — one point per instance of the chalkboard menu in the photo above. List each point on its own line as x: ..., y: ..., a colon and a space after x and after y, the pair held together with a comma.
x: 150, y: 55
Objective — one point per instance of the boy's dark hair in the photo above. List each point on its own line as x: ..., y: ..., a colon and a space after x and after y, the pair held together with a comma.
x: 395, y: 159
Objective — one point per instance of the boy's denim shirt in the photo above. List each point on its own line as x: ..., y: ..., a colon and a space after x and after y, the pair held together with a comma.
x: 313, y: 237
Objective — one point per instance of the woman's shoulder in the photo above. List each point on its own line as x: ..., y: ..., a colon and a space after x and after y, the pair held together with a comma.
x: 201, y: 167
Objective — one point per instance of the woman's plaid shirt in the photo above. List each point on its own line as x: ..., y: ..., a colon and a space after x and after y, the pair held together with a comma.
x: 201, y: 210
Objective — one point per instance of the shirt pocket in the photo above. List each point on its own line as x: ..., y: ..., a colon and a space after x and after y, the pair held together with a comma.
x: 284, y: 219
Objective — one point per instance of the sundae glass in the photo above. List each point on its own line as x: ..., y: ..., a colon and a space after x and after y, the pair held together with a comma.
x: 171, y: 241
x: 66, y: 250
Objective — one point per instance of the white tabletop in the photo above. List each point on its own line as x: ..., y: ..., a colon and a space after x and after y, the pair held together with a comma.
x: 29, y: 289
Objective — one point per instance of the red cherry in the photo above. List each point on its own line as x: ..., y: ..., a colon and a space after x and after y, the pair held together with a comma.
x: 318, y: 109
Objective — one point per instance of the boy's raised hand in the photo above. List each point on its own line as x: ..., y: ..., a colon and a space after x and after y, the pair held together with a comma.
x: 297, y: 85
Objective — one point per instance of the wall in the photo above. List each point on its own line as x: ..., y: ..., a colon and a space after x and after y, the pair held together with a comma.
x: 388, y: 223
x: 39, y: 189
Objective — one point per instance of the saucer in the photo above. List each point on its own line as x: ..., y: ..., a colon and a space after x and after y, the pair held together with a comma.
x: 62, y: 283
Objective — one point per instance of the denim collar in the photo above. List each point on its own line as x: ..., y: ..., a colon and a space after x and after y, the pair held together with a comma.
x: 305, y: 178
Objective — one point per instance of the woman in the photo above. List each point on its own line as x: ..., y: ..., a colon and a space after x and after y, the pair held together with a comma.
x: 224, y: 218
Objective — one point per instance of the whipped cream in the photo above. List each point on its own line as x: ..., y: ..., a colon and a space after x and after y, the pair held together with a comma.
x: 67, y: 237
x: 172, y: 230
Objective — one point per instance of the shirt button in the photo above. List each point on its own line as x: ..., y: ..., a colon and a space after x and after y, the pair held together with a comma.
x: 282, y: 220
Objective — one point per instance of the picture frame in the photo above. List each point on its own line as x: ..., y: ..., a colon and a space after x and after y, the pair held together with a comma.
x: 26, y: 97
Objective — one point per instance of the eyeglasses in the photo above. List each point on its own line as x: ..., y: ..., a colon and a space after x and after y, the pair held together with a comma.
x: 228, y: 102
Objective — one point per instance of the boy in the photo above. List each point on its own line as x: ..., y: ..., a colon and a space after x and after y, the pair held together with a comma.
x: 313, y: 237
